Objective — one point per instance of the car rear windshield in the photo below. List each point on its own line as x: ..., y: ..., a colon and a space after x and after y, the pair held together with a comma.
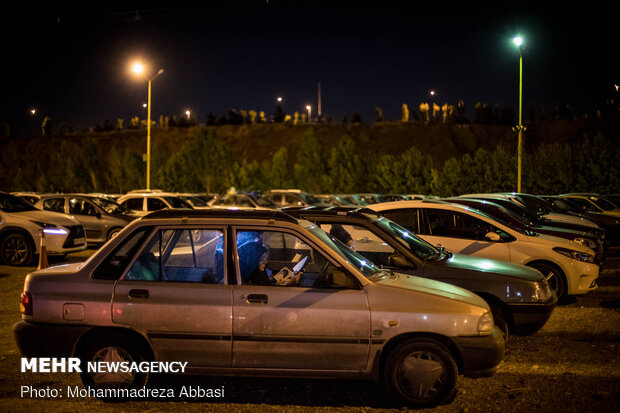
x: 10, y: 203
x: 415, y: 244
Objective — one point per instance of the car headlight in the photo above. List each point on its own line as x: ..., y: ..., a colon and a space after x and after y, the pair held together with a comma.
x: 51, y: 228
x: 587, y: 242
x: 576, y: 255
x: 542, y: 291
x: 485, y: 324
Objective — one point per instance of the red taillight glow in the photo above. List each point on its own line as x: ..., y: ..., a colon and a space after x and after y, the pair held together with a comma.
x: 25, y: 303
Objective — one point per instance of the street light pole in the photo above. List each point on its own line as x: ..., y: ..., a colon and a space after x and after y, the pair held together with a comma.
x: 519, y: 42
x: 148, y: 131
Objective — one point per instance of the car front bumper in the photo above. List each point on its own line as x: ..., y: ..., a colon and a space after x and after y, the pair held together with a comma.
x: 528, y: 318
x: 481, y: 354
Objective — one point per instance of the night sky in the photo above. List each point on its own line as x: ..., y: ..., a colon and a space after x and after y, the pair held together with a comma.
x: 72, y: 63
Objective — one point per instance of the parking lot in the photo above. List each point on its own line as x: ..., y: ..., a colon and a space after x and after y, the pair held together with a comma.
x: 572, y: 364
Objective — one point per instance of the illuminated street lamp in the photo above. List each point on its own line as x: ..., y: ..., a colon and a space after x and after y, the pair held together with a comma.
x: 187, y: 113
x: 139, y: 69
x: 279, y: 99
x: 309, y: 109
x: 518, y: 41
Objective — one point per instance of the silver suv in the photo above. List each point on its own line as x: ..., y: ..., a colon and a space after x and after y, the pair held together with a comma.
x: 255, y: 293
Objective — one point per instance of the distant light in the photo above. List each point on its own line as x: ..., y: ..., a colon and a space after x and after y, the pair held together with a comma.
x: 363, y: 263
x: 432, y: 93
x: 518, y: 40
x: 187, y: 113
x: 137, y: 68
x: 34, y: 111
x: 308, y: 107
x: 405, y: 234
x: 144, y: 105
x: 279, y: 98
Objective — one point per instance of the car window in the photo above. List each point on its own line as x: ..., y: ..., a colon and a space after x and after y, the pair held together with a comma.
x: 134, y: 204
x: 115, y: 263
x: 278, y: 258
x: 407, y: 218
x: 181, y: 255
x: 81, y: 207
x: 177, y: 202
x: 54, y: 204
x: 362, y: 240
x: 10, y: 203
x: 155, y: 204
x: 445, y: 223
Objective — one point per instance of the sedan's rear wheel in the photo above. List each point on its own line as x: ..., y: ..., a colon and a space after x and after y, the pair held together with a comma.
x: 16, y: 250
x: 113, y: 350
x: 421, y: 372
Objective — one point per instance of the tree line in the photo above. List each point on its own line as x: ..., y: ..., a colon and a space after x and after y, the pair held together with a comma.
x: 205, y: 163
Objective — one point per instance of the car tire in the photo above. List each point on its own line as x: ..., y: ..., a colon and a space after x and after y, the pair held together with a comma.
x: 113, y: 349
x: 112, y: 233
x: 16, y: 250
x: 421, y: 373
x: 554, y: 277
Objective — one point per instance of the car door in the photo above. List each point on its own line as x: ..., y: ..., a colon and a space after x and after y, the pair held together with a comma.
x: 462, y: 233
x: 320, y: 323
x: 175, y: 292
x: 87, y: 215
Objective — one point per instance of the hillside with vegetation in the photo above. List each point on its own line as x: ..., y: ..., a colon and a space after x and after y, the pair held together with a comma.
x: 442, y: 158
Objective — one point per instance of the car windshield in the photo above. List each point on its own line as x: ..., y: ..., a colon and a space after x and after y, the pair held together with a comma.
x: 194, y: 200
x: 108, y: 206
x: 370, y: 270
x: 10, y: 203
x: 415, y: 244
x: 177, y: 202
x: 603, y: 203
x: 262, y: 202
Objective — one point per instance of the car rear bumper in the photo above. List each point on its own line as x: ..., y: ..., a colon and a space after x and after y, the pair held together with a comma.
x: 481, y: 354
x: 528, y: 318
x: 46, y: 340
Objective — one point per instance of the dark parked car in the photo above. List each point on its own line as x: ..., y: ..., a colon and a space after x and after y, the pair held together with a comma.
x: 596, y: 242
x: 519, y: 296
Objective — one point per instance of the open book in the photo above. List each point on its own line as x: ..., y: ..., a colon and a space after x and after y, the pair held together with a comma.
x: 285, y: 276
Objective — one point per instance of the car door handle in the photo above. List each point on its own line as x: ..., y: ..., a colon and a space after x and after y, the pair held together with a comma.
x: 138, y: 293
x: 257, y: 299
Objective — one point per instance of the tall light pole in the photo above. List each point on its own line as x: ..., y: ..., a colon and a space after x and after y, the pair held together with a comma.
x: 138, y: 69
x: 309, y: 109
x: 518, y: 41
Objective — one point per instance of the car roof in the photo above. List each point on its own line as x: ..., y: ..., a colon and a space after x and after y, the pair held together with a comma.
x: 353, y: 211
x: 226, y: 213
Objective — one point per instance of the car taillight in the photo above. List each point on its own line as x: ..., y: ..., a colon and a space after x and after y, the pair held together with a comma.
x: 25, y: 303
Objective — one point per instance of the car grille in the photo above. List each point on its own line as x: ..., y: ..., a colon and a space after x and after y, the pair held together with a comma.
x: 75, y: 231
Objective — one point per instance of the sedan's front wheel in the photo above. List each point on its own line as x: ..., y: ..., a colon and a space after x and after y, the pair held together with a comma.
x: 16, y: 250
x: 421, y: 372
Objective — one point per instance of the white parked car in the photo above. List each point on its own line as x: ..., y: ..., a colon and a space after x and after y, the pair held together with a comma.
x: 568, y: 266
x: 141, y: 202
x: 21, y: 227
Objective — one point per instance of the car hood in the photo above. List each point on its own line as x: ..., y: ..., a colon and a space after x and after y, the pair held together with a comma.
x: 437, y: 288
x: 552, y: 241
x: 47, y: 217
x: 467, y: 266
x: 556, y: 216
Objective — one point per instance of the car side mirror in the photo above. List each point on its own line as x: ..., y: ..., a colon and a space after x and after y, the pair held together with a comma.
x: 399, y: 261
x: 492, y: 236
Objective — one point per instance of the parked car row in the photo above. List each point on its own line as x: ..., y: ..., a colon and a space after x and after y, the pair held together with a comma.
x: 410, y: 293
